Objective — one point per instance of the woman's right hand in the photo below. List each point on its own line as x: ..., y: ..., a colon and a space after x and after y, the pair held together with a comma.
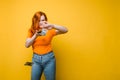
x: 29, y: 41
x: 38, y: 32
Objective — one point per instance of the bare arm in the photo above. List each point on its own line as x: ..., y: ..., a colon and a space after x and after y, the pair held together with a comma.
x: 60, y: 29
x: 29, y: 41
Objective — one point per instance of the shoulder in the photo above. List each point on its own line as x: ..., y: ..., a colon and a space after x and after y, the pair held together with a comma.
x: 52, y: 31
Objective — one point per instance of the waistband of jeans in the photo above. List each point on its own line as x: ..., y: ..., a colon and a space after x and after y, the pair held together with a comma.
x: 42, y: 54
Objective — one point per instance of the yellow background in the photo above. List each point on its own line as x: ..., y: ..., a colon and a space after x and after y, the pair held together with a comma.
x: 89, y: 51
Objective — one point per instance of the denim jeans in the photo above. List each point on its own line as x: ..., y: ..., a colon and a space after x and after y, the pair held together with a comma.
x: 43, y: 63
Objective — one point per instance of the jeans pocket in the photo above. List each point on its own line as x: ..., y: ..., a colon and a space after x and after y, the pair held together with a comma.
x: 35, y: 58
x: 51, y: 55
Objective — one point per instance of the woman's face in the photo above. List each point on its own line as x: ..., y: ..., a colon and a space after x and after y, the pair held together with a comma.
x: 42, y: 21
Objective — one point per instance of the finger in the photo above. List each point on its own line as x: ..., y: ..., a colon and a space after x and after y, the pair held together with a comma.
x: 46, y: 22
x: 36, y: 31
x: 45, y: 25
x: 39, y: 31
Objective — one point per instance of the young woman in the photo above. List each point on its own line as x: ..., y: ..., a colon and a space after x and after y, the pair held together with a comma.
x: 39, y: 37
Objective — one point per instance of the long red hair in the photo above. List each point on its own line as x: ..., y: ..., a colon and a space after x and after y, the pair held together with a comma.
x: 36, y: 20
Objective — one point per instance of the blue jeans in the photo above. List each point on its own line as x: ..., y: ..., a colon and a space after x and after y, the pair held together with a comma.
x: 43, y: 63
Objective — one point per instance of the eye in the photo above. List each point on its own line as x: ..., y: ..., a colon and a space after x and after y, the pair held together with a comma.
x: 43, y: 20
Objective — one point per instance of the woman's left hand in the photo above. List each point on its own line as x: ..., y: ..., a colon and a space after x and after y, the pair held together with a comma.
x: 47, y: 25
